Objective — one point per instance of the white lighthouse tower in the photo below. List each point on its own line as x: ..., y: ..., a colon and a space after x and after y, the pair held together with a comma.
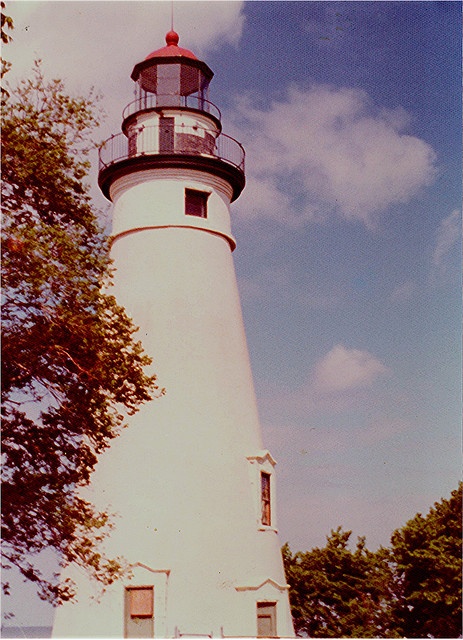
x: 189, y: 481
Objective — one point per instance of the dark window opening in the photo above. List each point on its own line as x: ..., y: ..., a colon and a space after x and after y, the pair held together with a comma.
x: 196, y: 203
x: 265, y: 498
x: 166, y: 134
x: 132, y: 143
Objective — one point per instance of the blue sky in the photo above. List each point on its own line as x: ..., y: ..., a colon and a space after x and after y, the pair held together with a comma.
x: 348, y: 254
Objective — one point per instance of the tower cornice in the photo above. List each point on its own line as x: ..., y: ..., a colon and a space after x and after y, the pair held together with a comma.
x: 215, y: 166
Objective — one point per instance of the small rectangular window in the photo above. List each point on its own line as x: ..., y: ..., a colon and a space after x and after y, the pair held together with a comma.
x: 266, y: 620
x: 265, y: 498
x: 196, y: 203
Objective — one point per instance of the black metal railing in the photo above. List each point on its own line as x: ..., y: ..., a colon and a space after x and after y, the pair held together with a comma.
x: 153, y: 101
x: 176, y: 140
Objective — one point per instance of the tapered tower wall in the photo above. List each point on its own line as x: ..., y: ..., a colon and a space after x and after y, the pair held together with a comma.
x: 185, y: 478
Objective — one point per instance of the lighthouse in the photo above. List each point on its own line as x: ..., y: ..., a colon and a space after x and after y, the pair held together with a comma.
x: 189, y: 481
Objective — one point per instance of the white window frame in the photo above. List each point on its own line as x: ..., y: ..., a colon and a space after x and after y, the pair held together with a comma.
x: 129, y: 618
x: 271, y: 606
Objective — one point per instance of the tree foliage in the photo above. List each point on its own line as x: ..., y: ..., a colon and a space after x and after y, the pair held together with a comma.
x: 71, y: 368
x: 427, y: 554
x: 411, y: 589
x: 6, y: 26
x: 336, y: 592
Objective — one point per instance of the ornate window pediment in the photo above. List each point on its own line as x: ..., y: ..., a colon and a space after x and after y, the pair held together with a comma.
x: 262, y: 477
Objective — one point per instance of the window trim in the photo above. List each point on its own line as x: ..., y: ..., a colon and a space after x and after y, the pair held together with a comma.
x: 271, y: 613
x: 129, y: 617
x: 263, y: 462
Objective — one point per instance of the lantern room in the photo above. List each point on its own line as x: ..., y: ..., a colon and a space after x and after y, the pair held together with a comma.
x: 172, y: 77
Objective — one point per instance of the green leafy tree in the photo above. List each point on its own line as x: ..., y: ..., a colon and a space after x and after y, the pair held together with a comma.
x: 71, y: 367
x: 412, y: 589
x: 427, y: 554
x: 336, y: 592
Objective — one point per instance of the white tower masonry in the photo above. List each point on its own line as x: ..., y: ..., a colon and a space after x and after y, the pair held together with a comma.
x: 189, y: 481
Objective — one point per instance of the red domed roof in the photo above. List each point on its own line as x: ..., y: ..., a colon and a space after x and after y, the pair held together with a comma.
x: 171, y: 54
x: 171, y: 49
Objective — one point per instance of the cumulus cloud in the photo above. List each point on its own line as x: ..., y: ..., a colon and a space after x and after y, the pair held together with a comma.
x: 106, y: 33
x: 262, y: 194
x: 448, y: 235
x: 331, y: 151
x: 97, y: 43
x: 342, y: 380
x: 345, y: 369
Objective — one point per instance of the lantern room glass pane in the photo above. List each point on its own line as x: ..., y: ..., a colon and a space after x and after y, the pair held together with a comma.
x: 148, y: 79
x: 168, y: 80
x: 189, y: 80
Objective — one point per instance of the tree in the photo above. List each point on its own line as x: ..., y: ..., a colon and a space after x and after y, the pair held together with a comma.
x: 71, y: 367
x: 427, y: 554
x: 335, y: 592
x: 6, y: 24
x: 411, y: 589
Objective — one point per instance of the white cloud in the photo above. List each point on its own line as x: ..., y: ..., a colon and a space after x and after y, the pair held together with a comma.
x: 262, y: 195
x: 97, y: 43
x: 103, y: 34
x: 448, y: 235
x: 345, y: 369
x: 316, y: 152
x: 335, y: 151
x: 342, y: 380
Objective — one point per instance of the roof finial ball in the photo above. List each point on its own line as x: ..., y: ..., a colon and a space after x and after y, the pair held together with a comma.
x: 172, y: 38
